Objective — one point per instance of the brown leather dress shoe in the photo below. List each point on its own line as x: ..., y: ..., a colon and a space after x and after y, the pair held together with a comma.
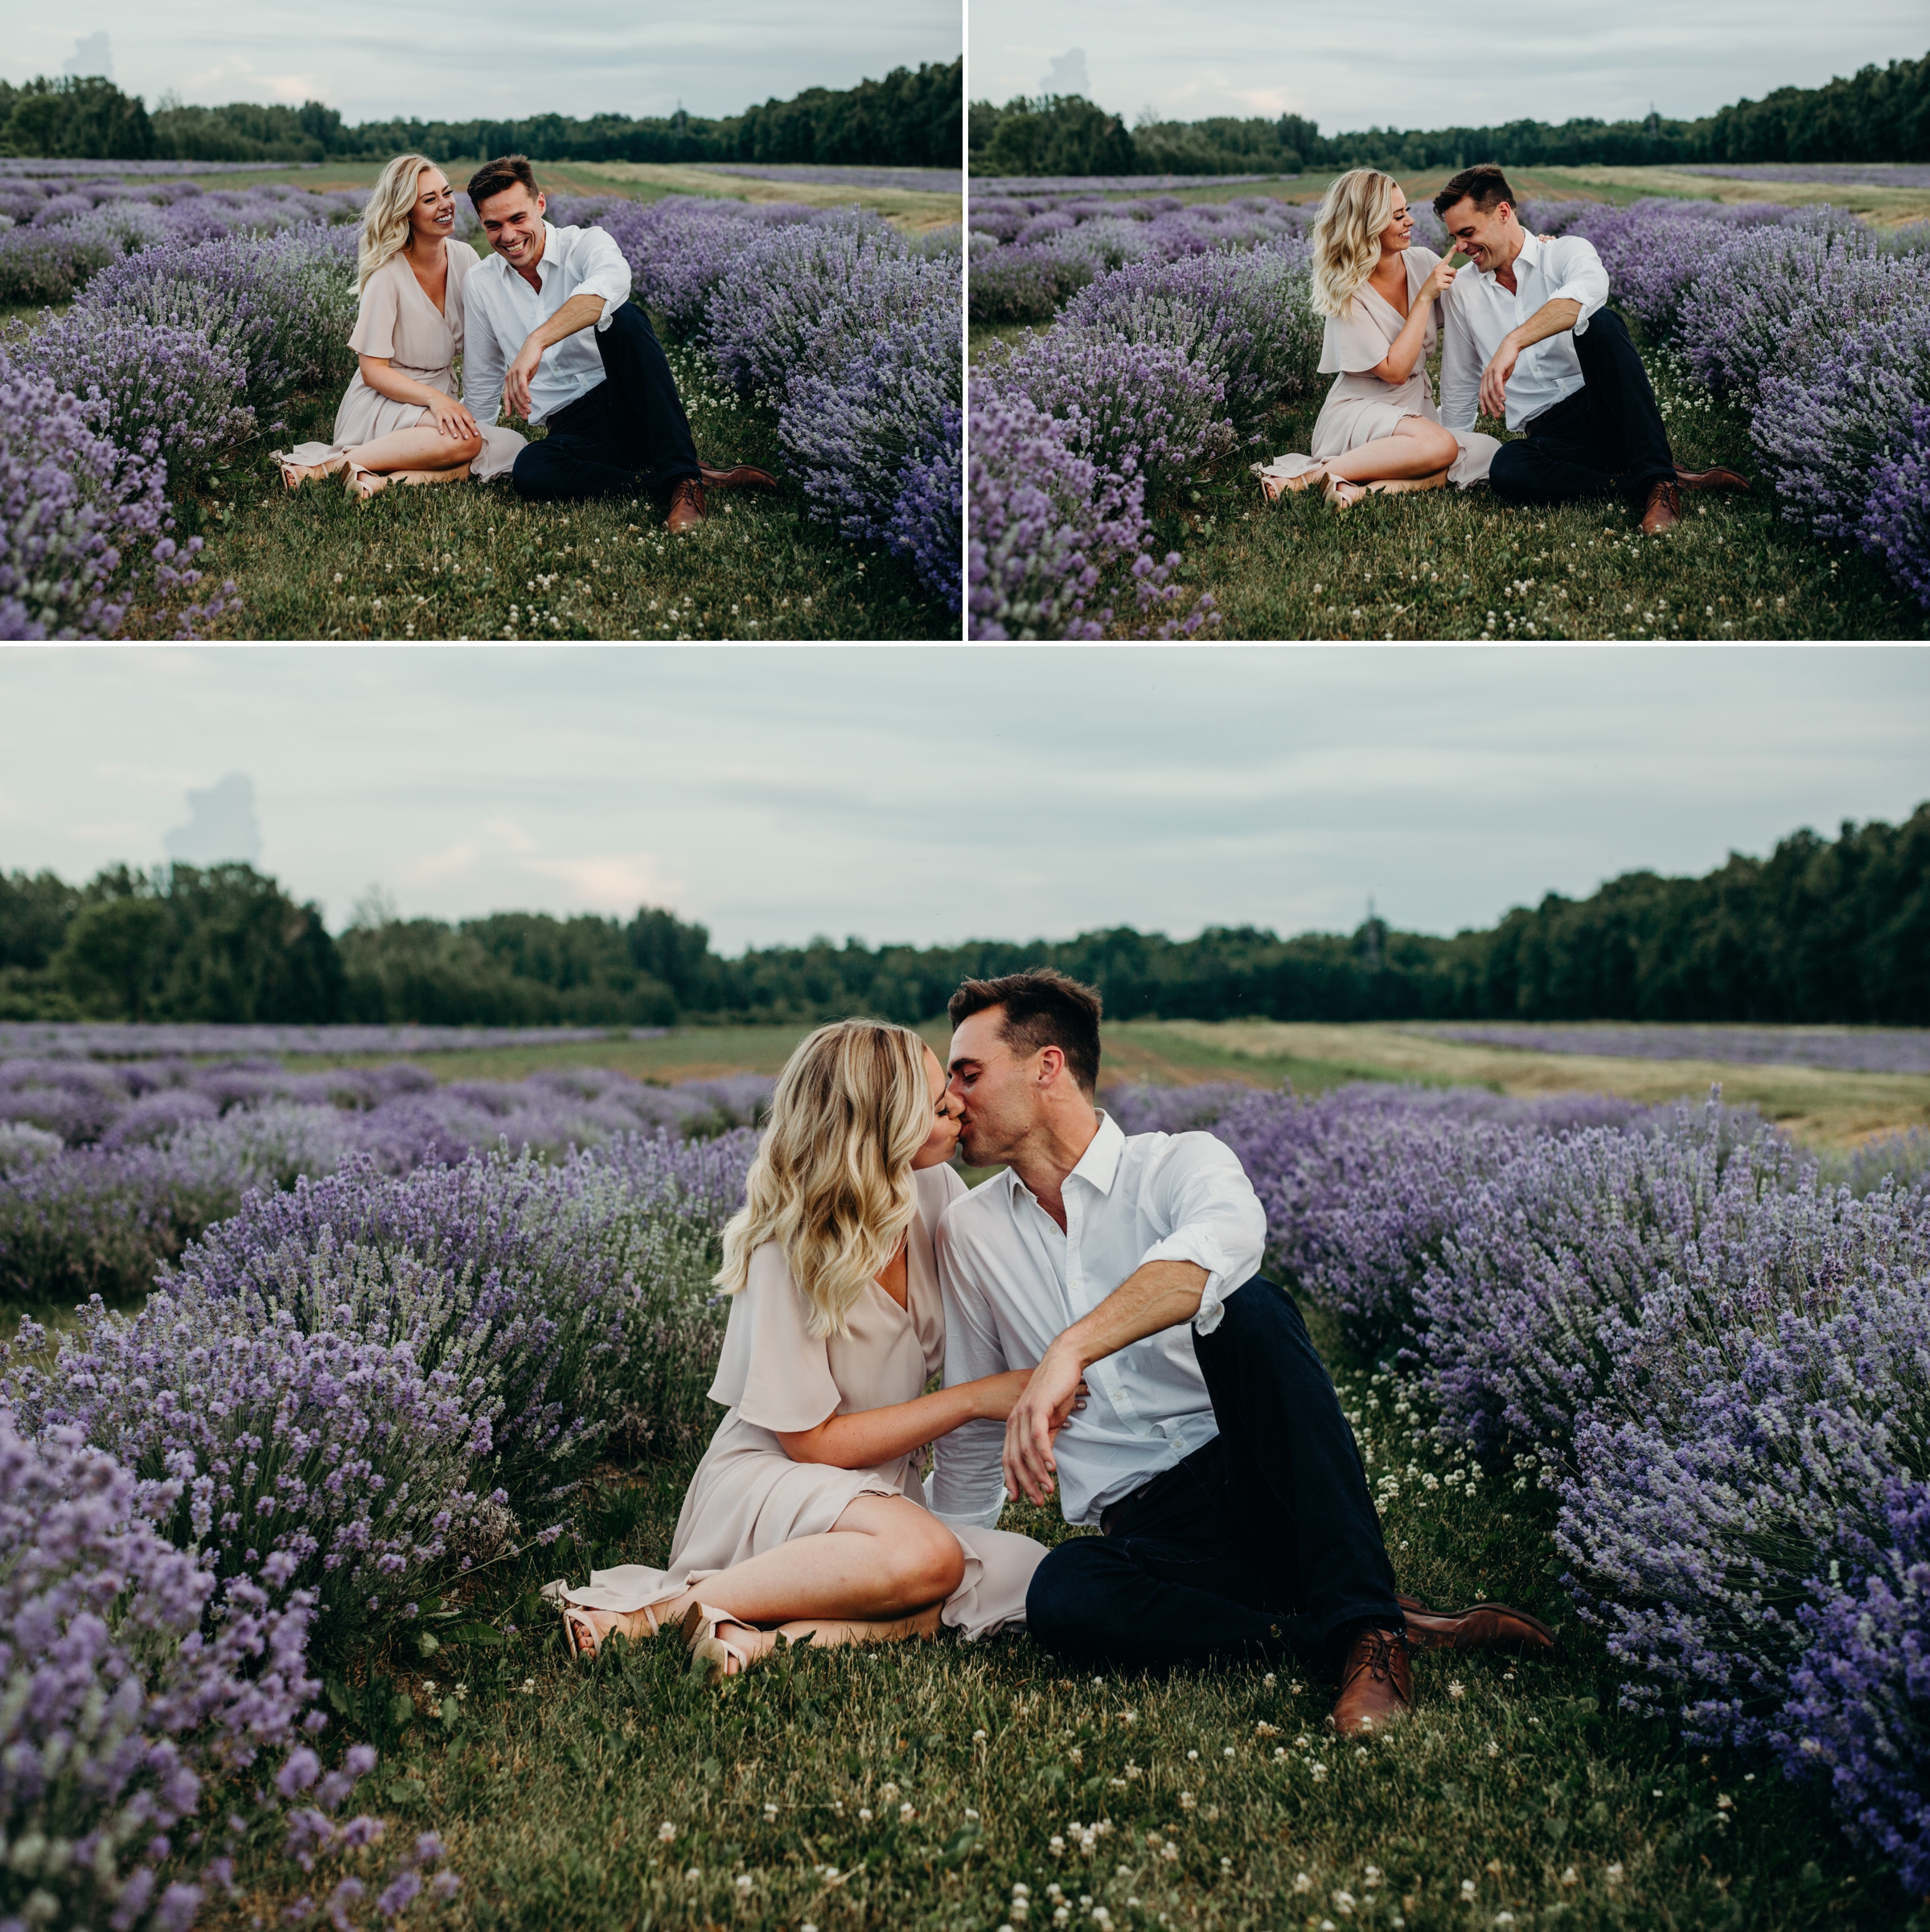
x: 1664, y: 510
x: 743, y: 476
x: 686, y: 505
x: 1377, y: 1685
x: 1480, y: 1627
x: 1710, y: 479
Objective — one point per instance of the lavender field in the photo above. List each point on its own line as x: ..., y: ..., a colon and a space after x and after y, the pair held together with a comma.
x: 1655, y: 1365
x: 1887, y: 1050
x: 207, y: 325
x: 1132, y: 357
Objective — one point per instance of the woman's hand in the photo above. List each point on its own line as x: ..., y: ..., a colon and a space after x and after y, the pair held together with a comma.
x: 451, y: 419
x: 1440, y: 279
x: 1000, y: 1394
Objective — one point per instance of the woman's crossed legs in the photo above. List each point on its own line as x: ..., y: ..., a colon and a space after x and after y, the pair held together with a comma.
x: 882, y: 1572
x: 1418, y: 451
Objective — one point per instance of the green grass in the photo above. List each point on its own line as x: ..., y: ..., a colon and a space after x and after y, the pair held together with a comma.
x: 551, y: 1782
x: 470, y: 561
x: 1445, y: 563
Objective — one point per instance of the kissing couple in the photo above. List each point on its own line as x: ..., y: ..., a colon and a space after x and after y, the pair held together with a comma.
x: 1103, y: 1329
x: 1523, y: 333
x: 547, y: 332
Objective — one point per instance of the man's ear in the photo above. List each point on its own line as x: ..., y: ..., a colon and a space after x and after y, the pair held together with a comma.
x: 1052, y: 1064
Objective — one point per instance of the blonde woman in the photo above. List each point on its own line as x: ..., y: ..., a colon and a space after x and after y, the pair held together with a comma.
x: 806, y: 1517
x: 1379, y: 430
x: 399, y: 420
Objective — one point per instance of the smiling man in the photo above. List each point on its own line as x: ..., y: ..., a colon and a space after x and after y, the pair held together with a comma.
x: 1528, y: 335
x: 1211, y: 1452
x: 551, y: 334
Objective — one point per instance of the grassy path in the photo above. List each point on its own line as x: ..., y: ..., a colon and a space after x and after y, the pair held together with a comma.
x: 923, y: 1786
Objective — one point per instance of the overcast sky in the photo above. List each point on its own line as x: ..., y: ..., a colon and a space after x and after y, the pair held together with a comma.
x: 1420, y: 63
x: 373, y: 59
x: 946, y: 793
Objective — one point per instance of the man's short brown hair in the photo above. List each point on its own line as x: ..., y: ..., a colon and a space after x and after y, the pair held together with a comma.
x: 505, y: 171
x: 1484, y: 184
x: 1043, y: 1009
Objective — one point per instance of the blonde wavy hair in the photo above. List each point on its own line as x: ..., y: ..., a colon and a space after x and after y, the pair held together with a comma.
x: 1347, y: 236
x: 832, y: 1182
x: 385, y: 220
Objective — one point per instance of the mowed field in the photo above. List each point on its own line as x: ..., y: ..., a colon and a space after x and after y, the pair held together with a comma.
x: 1824, y: 1107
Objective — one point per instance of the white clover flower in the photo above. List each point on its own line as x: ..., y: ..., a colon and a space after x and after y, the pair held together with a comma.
x: 1302, y: 1882
x: 665, y: 1832
x: 1613, y: 1874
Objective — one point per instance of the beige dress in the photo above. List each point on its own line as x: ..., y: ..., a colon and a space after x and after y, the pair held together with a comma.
x: 400, y: 323
x: 1361, y: 408
x: 748, y: 1496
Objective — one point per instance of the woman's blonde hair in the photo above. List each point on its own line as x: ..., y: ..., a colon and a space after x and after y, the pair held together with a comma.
x: 1347, y: 235
x: 831, y: 1184
x: 385, y: 220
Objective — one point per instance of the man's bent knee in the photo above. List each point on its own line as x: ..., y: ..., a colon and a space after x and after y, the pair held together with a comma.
x: 1510, y: 475
x: 1058, y: 1600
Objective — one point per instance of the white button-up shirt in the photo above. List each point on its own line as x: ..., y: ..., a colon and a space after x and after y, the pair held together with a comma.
x: 1013, y: 1281
x: 1481, y: 311
x: 501, y: 311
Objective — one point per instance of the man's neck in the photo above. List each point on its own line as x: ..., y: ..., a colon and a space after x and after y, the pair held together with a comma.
x: 1051, y: 1153
x: 529, y: 274
x: 1504, y: 272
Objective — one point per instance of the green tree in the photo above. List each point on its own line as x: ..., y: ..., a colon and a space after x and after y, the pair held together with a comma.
x: 115, y: 955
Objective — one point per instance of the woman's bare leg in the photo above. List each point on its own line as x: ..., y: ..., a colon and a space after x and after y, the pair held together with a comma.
x: 883, y: 1565
x: 422, y: 455
x: 1417, y: 447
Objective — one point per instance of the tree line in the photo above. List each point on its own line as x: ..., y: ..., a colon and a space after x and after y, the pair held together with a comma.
x: 1822, y: 931
x: 907, y: 119
x: 1878, y: 114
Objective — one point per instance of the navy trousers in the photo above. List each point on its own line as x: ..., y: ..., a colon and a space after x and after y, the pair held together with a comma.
x: 1262, y: 1543
x: 1607, y: 435
x: 627, y: 436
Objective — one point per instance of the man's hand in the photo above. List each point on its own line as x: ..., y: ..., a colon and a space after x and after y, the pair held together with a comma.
x: 1494, y: 378
x: 516, y: 384
x: 1038, y: 1415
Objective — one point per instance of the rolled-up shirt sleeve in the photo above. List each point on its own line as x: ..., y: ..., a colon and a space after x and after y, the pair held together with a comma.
x: 600, y: 270
x: 1581, y: 278
x: 967, y: 1487
x: 1202, y: 1194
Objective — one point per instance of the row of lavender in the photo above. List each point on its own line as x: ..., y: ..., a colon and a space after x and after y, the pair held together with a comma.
x: 56, y: 235
x: 1860, y: 1049
x: 1715, y: 1358
x: 1165, y: 360
x: 847, y: 328
x: 1816, y: 327
x: 107, y: 1171
x: 342, y: 1400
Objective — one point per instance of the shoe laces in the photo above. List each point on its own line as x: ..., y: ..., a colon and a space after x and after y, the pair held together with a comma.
x: 1379, y: 1660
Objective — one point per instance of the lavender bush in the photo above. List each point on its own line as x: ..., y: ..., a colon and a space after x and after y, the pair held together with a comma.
x: 1863, y: 1049
x: 85, y: 530
x: 1764, y: 1388
x: 170, y: 386
x: 1057, y: 542
x: 1860, y: 1696
x: 132, y: 1679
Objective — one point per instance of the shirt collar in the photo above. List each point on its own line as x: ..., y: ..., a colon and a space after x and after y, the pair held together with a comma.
x: 1097, y: 1165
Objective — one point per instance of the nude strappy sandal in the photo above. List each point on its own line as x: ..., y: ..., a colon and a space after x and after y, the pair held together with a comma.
x: 1273, y: 488
x: 355, y: 483
x: 710, y: 1656
x: 582, y: 1634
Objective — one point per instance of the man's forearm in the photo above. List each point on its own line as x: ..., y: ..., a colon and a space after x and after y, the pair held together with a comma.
x: 1553, y: 318
x: 579, y: 312
x: 1161, y: 1294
